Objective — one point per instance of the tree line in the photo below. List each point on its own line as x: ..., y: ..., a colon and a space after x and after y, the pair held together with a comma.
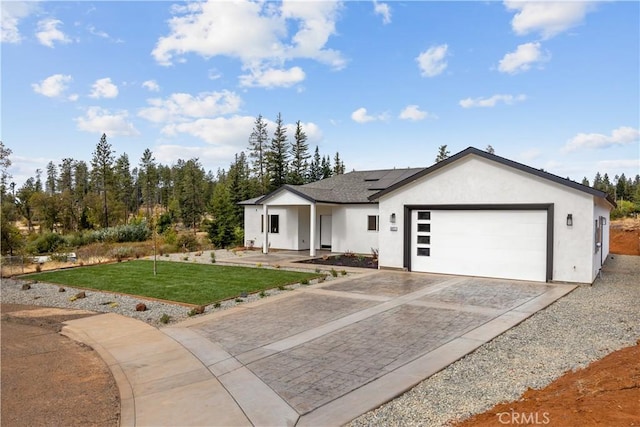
x: 74, y: 195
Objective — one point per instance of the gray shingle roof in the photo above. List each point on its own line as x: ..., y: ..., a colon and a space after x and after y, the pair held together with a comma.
x: 349, y: 188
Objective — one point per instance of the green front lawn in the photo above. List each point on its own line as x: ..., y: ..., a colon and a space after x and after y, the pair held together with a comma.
x: 198, y: 284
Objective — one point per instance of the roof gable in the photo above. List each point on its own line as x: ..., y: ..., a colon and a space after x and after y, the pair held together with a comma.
x: 501, y: 160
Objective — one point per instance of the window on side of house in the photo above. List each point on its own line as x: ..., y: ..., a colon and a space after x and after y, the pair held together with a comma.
x: 372, y: 223
x: 274, y: 223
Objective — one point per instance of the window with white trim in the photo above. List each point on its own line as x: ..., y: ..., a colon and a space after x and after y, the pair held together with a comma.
x: 372, y: 223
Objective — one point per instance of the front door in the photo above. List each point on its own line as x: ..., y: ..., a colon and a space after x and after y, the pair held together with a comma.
x: 325, y: 231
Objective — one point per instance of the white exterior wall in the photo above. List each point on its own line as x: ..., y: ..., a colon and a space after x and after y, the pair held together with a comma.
x: 600, y: 256
x: 475, y: 180
x: 287, y: 238
x: 349, y: 232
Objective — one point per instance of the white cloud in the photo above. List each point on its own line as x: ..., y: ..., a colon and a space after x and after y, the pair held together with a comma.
x: 151, y: 85
x: 182, y: 106
x: 361, y: 116
x: 99, y: 120
x: 104, y: 88
x: 413, y: 112
x: 548, y: 18
x: 53, y: 86
x: 622, y: 136
x: 257, y: 33
x: 11, y: 13
x: 383, y: 10
x: 272, y: 78
x: 492, y: 101
x: 432, y: 61
x: 48, y: 32
x: 521, y: 60
x: 233, y: 131
x: 312, y: 130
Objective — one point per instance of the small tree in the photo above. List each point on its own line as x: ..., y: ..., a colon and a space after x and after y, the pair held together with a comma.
x: 490, y: 149
x: 258, y: 152
x: 102, y: 171
x: 277, y: 157
x: 299, y: 156
x: 443, y: 153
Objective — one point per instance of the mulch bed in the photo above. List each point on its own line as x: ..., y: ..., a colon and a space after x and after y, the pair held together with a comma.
x: 344, y: 261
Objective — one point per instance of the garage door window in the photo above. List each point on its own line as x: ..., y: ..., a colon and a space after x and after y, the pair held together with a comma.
x: 425, y: 240
x: 424, y: 228
x: 424, y: 252
x: 424, y: 215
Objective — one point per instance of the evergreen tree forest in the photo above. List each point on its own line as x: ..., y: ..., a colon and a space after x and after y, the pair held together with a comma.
x: 112, y: 191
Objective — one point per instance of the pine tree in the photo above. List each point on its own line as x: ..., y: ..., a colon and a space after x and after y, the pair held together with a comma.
x: 299, y: 157
x: 338, y: 165
x: 443, y: 153
x: 52, y: 178
x: 191, y: 200
x: 277, y: 156
x: 585, y: 181
x: 490, y: 149
x: 315, y: 168
x: 102, y: 173
x: 148, y: 176
x: 124, y: 184
x: 622, y: 188
x: 326, y: 167
x: 258, y: 152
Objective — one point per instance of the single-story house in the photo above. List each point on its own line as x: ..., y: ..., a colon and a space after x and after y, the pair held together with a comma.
x: 474, y: 214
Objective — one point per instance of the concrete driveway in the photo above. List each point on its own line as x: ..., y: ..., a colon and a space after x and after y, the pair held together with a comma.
x: 320, y: 355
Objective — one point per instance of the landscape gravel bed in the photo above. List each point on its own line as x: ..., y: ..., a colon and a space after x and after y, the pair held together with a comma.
x: 584, y: 326
x: 48, y: 295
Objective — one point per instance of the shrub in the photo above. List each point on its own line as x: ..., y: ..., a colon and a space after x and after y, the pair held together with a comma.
x: 216, y: 305
x: 262, y: 294
x: 625, y: 208
x: 134, y: 232
x: 213, y: 257
x: 334, y: 273
x: 187, y: 242
x: 46, y: 243
x: 343, y: 272
x: 165, y: 318
x: 304, y: 282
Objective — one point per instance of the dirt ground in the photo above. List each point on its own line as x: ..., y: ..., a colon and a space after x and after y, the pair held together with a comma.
x: 48, y: 379
x: 606, y: 393
x: 624, y: 236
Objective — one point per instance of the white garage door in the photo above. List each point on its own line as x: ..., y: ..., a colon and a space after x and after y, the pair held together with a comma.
x: 490, y: 243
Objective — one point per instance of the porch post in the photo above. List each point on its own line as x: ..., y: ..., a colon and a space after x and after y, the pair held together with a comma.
x: 312, y: 232
x: 265, y: 227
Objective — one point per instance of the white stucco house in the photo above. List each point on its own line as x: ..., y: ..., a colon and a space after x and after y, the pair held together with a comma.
x: 474, y: 214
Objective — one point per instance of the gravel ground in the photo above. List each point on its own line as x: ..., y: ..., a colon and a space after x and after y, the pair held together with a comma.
x: 584, y: 326
x: 45, y: 294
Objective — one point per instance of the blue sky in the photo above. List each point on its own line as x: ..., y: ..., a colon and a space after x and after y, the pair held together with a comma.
x: 551, y: 85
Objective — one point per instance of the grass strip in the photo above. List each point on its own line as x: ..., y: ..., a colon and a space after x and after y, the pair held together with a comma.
x: 198, y: 284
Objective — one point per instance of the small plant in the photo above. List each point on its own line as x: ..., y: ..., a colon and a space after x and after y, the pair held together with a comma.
x: 277, y: 266
x: 166, y: 255
x: 361, y: 258
x: 304, y: 282
x: 262, y: 294
x: 321, y: 278
x: 349, y: 254
x: 317, y: 270
x: 185, y: 258
x: 199, y: 253
x: 281, y: 288
x: 374, y: 253
x: 325, y: 257
x: 259, y: 265
x: 38, y: 268
x: 192, y: 312
x: 213, y: 257
x: 343, y: 272
x: 334, y: 273
x: 239, y: 300
x: 216, y: 305
x: 165, y: 318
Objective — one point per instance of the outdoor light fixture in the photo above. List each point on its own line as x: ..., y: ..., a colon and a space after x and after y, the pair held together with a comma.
x: 393, y: 218
x: 569, y: 220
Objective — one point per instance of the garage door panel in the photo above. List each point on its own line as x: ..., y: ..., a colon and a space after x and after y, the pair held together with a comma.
x: 496, y: 243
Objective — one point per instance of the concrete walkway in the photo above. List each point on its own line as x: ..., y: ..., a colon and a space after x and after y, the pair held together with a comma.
x: 320, y: 355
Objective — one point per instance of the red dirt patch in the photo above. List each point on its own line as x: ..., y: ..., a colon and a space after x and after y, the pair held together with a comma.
x: 605, y: 393
x: 625, y: 236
